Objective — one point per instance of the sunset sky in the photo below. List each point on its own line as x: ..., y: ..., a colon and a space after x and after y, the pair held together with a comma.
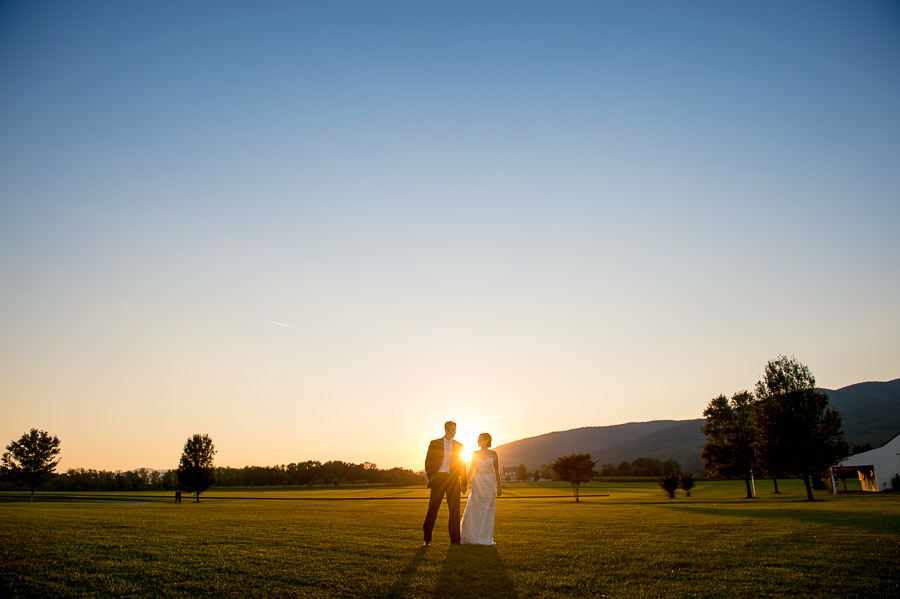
x: 318, y: 230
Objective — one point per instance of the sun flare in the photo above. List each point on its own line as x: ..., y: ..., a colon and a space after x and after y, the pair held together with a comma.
x: 468, y: 430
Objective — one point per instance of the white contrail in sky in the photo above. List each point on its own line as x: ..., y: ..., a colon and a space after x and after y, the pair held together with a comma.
x: 124, y: 305
x: 281, y: 324
x: 195, y: 63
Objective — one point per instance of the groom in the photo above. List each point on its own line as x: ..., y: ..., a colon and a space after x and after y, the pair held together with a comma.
x: 446, y: 471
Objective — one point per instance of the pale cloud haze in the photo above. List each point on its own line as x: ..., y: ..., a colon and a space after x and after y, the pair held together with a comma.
x: 319, y: 230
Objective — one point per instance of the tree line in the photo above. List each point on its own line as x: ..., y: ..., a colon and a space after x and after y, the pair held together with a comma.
x: 303, y: 474
x: 315, y: 473
x: 83, y: 479
x: 641, y: 467
x: 637, y: 468
x: 579, y: 468
x: 30, y: 462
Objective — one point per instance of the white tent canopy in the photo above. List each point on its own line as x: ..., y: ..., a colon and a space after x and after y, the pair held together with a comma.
x: 876, y: 468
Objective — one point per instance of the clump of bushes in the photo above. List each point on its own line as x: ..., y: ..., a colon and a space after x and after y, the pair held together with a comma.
x: 669, y: 484
x: 672, y: 482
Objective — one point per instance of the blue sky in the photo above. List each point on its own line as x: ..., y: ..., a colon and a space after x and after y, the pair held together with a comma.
x: 522, y: 216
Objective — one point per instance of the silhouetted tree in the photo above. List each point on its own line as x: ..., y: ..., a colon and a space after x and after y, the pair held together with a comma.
x: 575, y: 469
x: 31, y: 460
x: 798, y: 432
x: 669, y: 484
x: 730, y: 437
x: 802, y: 434
x: 522, y: 473
x: 686, y: 483
x: 196, y: 472
x: 781, y: 376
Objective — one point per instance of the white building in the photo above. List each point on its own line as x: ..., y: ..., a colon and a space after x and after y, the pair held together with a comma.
x: 875, y: 468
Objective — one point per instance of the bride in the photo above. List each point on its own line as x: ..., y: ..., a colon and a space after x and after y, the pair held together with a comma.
x: 484, y: 476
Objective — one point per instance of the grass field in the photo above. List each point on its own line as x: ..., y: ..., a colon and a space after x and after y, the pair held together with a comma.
x: 622, y: 540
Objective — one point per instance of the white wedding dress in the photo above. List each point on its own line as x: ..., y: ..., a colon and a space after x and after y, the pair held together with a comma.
x: 477, y: 526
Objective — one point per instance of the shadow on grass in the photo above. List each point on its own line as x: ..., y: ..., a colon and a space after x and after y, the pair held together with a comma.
x: 864, y: 521
x: 398, y: 589
x: 474, y: 571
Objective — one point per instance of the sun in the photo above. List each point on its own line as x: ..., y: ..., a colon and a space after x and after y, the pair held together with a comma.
x: 468, y: 436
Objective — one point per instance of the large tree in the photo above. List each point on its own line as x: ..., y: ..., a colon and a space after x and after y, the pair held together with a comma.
x: 32, y: 459
x: 196, y: 472
x: 575, y: 469
x: 782, y: 375
x: 729, y: 449
x: 798, y: 433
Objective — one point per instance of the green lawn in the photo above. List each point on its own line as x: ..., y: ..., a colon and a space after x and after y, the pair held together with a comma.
x: 622, y: 540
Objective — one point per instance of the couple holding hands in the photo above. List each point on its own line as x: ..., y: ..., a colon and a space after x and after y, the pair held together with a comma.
x: 447, y: 477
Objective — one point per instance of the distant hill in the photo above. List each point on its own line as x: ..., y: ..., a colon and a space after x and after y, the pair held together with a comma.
x: 870, y: 414
x: 659, y: 439
x: 682, y: 441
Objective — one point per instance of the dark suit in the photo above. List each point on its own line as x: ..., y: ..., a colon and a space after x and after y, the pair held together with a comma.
x: 444, y: 484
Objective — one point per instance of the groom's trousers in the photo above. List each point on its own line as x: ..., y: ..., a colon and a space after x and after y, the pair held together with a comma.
x: 442, y: 484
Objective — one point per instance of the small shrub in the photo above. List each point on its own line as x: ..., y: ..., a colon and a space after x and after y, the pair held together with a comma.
x: 686, y: 483
x: 669, y: 484
x: 895, y: 482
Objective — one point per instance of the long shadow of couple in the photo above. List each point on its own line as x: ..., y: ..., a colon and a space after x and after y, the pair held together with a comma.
x: 468, y: 571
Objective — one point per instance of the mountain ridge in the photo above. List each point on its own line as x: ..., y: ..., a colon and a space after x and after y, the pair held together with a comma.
x: 870, y: 412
